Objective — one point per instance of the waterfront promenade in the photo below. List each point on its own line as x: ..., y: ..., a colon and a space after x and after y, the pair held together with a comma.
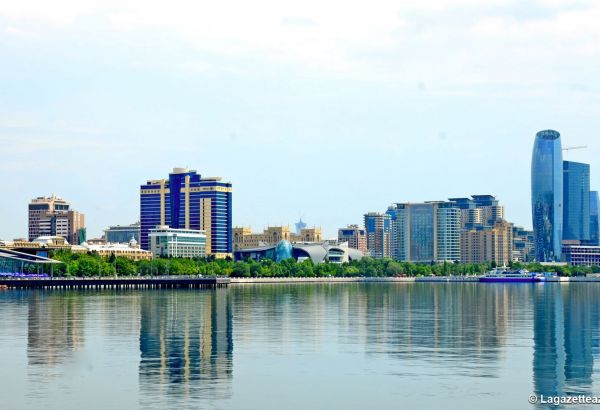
x: 158, y: 282
x: 428, y: 279
x: 191, y: 282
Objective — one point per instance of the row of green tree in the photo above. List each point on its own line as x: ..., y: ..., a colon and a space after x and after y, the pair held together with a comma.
x: 88, y: 265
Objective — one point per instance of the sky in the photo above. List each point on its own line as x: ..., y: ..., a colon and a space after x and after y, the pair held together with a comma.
x: 323, y: 110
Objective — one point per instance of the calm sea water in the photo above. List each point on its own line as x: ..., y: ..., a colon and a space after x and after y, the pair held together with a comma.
x: 338, y: 346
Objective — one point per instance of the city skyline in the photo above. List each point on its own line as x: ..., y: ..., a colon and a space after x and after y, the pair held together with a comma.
x: 330, y: 231
x: 114, y: 94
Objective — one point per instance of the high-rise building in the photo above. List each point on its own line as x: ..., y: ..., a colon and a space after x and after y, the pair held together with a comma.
x: 215, y: 216
x: 377, y: 227
x: 425, y: 232
x: 122, y: 233
x: 52, y: 216
x: 488, y: 244
x: 187, y: 201
x: 547, y: 195
x: 355, y: 236
x: 594, y: 221
x: 523, y: 245
x: 576, y: 198
x: 479, y: 210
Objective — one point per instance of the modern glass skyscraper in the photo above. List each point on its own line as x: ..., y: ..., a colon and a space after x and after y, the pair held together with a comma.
x: 576, y: 197
x: 187, y: 201
x: 594, y: 221
x: 425, y: 232
x: 377, y: 228
x: 547, y: 195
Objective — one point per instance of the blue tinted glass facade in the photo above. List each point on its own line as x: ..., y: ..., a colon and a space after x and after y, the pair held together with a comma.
x: 398, y: 230
x: 122, y: 234
x: 221, y: 214
x: 176, y: 188
x: 594, y: 221
x: 378, y: 228
x: 547, y: 195
x: 422, y: 233
x: 576, y: 197
x: 149, y: 214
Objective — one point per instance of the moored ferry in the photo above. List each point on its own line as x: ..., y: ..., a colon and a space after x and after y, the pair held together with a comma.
x: 505, y: 275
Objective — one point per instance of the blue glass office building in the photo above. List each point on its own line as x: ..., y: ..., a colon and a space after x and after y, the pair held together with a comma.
x: 547, y: 195
x: 576, y: 197
x: 425, y: 232
x: 187, y: 201
x: 594, y: 221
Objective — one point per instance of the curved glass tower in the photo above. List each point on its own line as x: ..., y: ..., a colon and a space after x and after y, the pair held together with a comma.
x: 547, y: 195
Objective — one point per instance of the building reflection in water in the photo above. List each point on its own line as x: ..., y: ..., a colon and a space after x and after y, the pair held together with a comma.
x: 186, y: 346
x: 459, y: 327
x: 55, y: 327
x: 566, y: 326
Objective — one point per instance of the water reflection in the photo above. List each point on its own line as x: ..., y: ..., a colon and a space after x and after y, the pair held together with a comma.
x: 55, y: 327
x: 477, y: 344
x: 440, y: 324
x: 566, y: 334
x: 186, y: 346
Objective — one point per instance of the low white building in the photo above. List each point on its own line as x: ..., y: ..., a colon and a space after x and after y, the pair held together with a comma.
x: 177, y: 243
x: 130, y: 251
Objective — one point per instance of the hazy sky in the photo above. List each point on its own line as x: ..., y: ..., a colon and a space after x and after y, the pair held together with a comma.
x: 325, y: 109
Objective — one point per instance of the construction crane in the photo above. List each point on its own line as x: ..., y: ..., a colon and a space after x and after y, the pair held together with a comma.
x: 567, y: 149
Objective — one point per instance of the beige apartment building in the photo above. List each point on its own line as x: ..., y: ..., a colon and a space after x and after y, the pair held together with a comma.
x: 488, y: 244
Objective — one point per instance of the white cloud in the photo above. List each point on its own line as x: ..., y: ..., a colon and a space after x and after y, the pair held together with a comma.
x: 441, y: 42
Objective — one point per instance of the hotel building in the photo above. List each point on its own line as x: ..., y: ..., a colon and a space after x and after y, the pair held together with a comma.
x: 187, y: 201
x: 547, y: 195
x: 52, y: 216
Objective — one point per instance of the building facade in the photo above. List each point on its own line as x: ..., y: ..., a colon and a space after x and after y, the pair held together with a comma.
x: 425, y: 232
x: 52, y: 216
x: 479, y: 210
x: 187, y: 201
x: 580, y: 255
x: 129, y: 250
x: 316, y: 252
x: 523, y: 245
x: 166, y: 242
x: 576, y: 201
x: 488, y: 244
x: 378, y: 230
x: 244, y: 238
x: 594, y: 219
x: 355, y: 236
x: 122, y: 233
x: 547, y: 195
